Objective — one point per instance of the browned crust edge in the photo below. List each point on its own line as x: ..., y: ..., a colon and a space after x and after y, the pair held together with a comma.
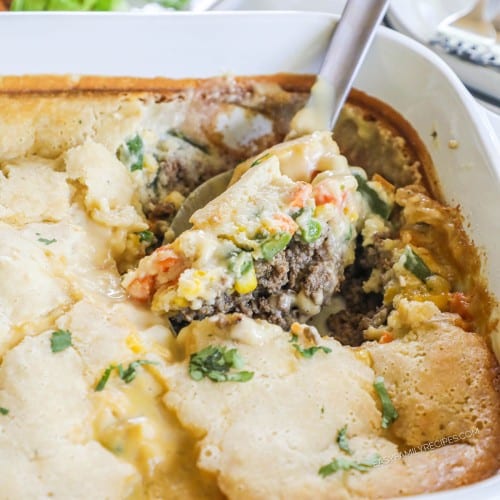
x: 55, y: 84
x: 71, y: 85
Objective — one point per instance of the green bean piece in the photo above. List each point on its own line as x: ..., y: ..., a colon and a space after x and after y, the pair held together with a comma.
x: 274, y: 245
x: 416, y: 265
x: 377, y: 205
x: 312, y: 231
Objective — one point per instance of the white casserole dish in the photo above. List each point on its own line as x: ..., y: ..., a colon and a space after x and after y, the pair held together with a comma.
x: 398, y: 70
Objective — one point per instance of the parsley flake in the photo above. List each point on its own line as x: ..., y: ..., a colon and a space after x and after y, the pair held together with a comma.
x: 258, y: 161
x: 131, y: 153
x: 104, y: 379
x: 188, y: 140
x: 129, y: 374
x: 389, y: 413
x: 60, y: 340
x: 345, y: 464
x: 126, y: 374
x: 3, y: 411
x: 342, y: 440
x: 309, y: 352
x: 146, y: 236
x: 45, y: 241
x: 215, y: 363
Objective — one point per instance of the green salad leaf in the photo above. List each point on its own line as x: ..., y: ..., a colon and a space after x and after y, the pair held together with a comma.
x: 86, y: 5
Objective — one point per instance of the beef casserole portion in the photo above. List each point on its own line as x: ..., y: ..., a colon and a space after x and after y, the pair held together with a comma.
x: 100, y: 398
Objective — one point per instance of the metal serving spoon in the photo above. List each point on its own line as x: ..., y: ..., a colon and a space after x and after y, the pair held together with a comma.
x: 348, y: 46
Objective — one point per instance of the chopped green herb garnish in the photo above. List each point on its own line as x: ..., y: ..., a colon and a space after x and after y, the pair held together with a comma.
x: 377, y: 205
x: 3, y: 411
x: 342, y: 440
x: 104, y: 379
x: 312, y: 231
x: 135, y: 147
x: 309, y: 352
x: 275, y: 244
x: 294, y: 338
x: 60, y: 340
x: 191, y: 142
x: 146, y: 236
x: 416, y: 265
x: 128, y: 374
x: 322, y: 410
x: 132, y: 153
x: 215, y: 363
x: 45, y: 241
x: 258, y: 161
x: 389, y: 413
x: 345, y: 464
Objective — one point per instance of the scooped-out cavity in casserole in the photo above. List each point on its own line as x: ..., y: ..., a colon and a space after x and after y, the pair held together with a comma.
x: 136, y: 364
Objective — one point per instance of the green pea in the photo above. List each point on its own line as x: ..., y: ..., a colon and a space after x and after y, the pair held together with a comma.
x: 312, y: 231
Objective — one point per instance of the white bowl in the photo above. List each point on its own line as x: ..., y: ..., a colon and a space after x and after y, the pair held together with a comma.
x: 397, y: 70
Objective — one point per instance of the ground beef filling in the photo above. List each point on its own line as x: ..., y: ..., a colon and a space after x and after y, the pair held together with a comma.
x: 313, y: 270
x: 362, y: 309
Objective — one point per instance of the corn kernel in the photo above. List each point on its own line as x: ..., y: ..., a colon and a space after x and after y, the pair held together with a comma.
x: 439, y: 299
x: 149, y: 163
x: 364, y: 356
x: 175, y: 198
x: 134, y: 344
x: 246, y: 283
x: 180, y: 302
x: 192, y: 288
x: 437, y: 284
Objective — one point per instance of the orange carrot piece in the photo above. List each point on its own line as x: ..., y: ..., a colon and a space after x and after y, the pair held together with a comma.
x: 386, y: 338
x: 142, y: 288
x: 459, y: 304
x: 323, y: 195
x: 301, y: 194
x: 285, y: 223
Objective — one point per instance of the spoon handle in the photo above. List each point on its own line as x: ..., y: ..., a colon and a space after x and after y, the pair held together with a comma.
x: 348, y: 46
x: 350, y: 42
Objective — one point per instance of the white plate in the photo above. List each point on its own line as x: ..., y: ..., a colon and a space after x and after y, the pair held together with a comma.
x: 397, y: 70
x: 416, y: 18
x: 420, y: 19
